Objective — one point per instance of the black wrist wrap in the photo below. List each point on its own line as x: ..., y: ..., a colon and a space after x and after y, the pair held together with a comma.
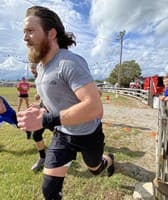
x: 50, y: 121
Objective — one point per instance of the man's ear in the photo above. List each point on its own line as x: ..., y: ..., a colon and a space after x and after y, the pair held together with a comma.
x: 52, y: 33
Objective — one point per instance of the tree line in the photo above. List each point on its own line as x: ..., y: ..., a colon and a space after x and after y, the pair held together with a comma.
x: 129, y: 72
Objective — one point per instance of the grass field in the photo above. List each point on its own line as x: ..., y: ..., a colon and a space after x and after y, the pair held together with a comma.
x: 17, y: 155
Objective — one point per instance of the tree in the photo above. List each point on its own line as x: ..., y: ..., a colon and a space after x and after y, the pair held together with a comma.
x: 129, y: 71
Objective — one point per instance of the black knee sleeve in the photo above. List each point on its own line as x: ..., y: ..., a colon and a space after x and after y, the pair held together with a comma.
x: 52, y: 187
x: 101, y: 168
x: 37, y: 135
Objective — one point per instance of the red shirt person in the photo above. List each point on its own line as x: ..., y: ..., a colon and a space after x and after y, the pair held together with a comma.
x: 23, y: 89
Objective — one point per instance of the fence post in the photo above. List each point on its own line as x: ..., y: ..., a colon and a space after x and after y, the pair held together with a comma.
x: 150, y: 94
x: 160, y: 183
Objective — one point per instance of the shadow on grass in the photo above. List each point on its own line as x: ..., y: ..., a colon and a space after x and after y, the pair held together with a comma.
x: 19, y: 153
x: 110, y: 124
x: 75, y: 170
x: 125, y: 151
x: 134, y: 171
x: 130, y: 169
x: 126, y: 168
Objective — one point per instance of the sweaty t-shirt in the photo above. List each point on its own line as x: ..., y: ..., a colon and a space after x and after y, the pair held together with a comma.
x: 23, y: 87
x: 56, y: 83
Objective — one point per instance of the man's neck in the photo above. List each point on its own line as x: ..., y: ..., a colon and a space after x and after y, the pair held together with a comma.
x: 50, y: 55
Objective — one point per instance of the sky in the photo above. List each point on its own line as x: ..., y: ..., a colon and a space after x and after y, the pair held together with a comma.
x: 97, y: 25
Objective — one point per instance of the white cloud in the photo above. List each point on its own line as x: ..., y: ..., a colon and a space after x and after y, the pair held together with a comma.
x: 145, y: 22
x: 162, y: 28
x: 12, y: 69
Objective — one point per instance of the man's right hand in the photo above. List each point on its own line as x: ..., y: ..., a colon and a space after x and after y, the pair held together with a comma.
x: 30, y: 119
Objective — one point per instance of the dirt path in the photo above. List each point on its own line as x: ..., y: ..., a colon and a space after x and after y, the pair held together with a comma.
x: 140, y: 116
x: 136, y: 115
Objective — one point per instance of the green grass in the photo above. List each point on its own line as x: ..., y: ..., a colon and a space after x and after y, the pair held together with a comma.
x: 17, y: 155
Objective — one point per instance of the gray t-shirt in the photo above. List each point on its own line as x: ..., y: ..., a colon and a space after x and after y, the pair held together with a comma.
x: 56, y: 83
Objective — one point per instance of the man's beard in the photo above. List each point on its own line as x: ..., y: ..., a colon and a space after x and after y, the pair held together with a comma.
x: 35, y: 55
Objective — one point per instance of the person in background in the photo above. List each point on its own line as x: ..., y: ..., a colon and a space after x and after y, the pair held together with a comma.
x: 164, y: 97
x: 70, y: 95
x: 40, y: 146
x: 8, y: 114
x: 33, y: 69
x: 38, y: 134
x: 23, y: 89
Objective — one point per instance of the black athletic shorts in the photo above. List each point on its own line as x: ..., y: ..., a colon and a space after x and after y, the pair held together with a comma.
x: 64, y: 148
x: 23, y: 95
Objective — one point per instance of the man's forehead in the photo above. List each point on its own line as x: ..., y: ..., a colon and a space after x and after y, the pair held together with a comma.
x: 31, y: 20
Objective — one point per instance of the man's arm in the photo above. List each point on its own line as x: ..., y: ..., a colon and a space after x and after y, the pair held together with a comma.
x: 89, y: 108
x: 18, y: 87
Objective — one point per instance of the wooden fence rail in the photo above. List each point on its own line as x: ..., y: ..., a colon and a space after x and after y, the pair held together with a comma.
x: 160, y: 183
x: 142, y: 95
